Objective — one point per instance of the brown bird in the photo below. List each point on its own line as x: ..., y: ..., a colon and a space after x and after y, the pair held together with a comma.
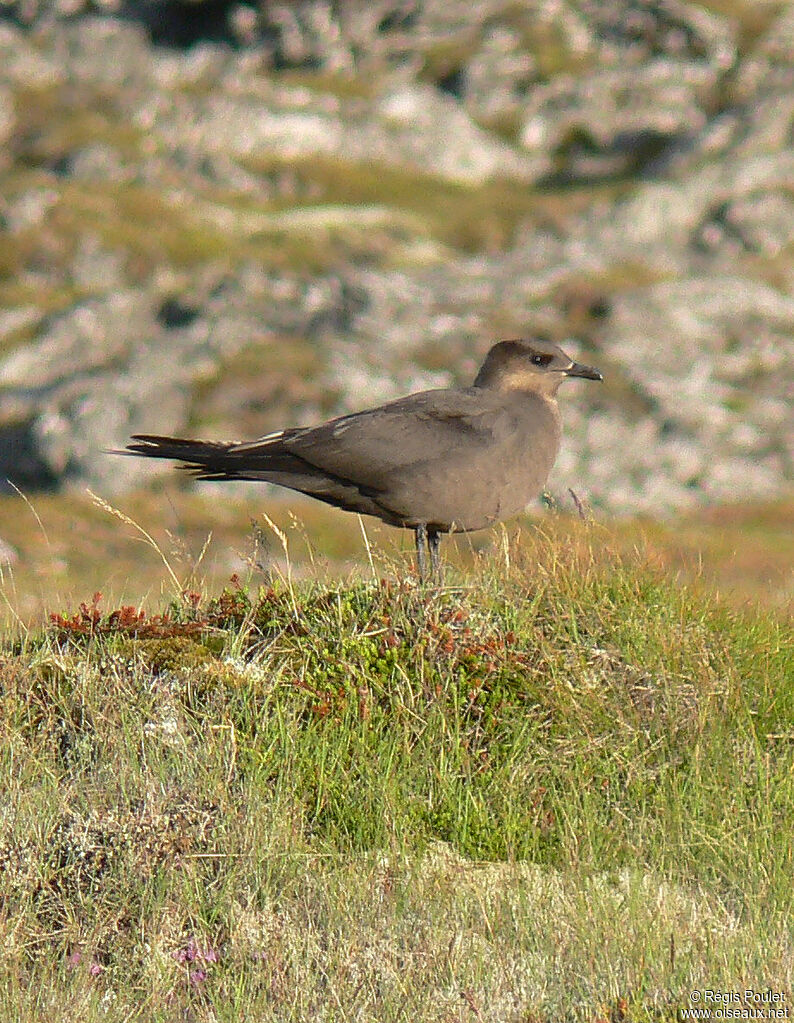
x: 438, y: 461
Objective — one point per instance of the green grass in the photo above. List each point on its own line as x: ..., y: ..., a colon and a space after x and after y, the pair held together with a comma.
x: 467, y: 219
x: 560, y: 789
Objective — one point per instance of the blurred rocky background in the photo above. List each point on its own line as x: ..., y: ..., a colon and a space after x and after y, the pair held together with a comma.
x: 222, y: 218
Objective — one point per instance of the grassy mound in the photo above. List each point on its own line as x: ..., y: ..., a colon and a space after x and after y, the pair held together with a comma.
x: 564, y: 791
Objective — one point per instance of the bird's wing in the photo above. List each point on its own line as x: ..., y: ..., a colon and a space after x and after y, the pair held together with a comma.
x: 368, y: 448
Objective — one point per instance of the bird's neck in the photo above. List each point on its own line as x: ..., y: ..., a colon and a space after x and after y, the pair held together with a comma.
x: 519, y: 383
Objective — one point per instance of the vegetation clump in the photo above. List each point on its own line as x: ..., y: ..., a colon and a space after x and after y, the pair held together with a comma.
x: 566, y: 789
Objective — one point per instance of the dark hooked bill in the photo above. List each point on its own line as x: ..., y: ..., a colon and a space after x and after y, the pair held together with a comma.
x: 576, y: 369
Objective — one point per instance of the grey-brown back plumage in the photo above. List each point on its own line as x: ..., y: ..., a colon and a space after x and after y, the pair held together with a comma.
x: 434, y: 461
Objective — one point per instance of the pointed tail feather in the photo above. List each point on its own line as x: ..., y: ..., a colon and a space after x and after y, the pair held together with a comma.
x: 217, y: 460
x: 153, y: 446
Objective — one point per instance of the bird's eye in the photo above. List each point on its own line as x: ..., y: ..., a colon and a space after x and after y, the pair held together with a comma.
x: 537, y: 360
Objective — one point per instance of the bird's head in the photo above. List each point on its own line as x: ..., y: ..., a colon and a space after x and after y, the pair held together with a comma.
x: 534, y: 364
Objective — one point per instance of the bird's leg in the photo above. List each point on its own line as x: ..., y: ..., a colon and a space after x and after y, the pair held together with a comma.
x: 434, y: 542
x: 421, y: 557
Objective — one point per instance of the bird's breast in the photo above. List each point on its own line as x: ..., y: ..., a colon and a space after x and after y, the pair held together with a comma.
x: 478, y: 484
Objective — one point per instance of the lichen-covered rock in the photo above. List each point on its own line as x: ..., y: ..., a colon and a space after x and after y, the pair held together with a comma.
x: 225, y: 219
x: 618, y: 120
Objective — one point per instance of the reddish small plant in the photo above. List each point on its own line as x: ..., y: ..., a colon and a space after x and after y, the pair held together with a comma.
x: 88, y: 621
